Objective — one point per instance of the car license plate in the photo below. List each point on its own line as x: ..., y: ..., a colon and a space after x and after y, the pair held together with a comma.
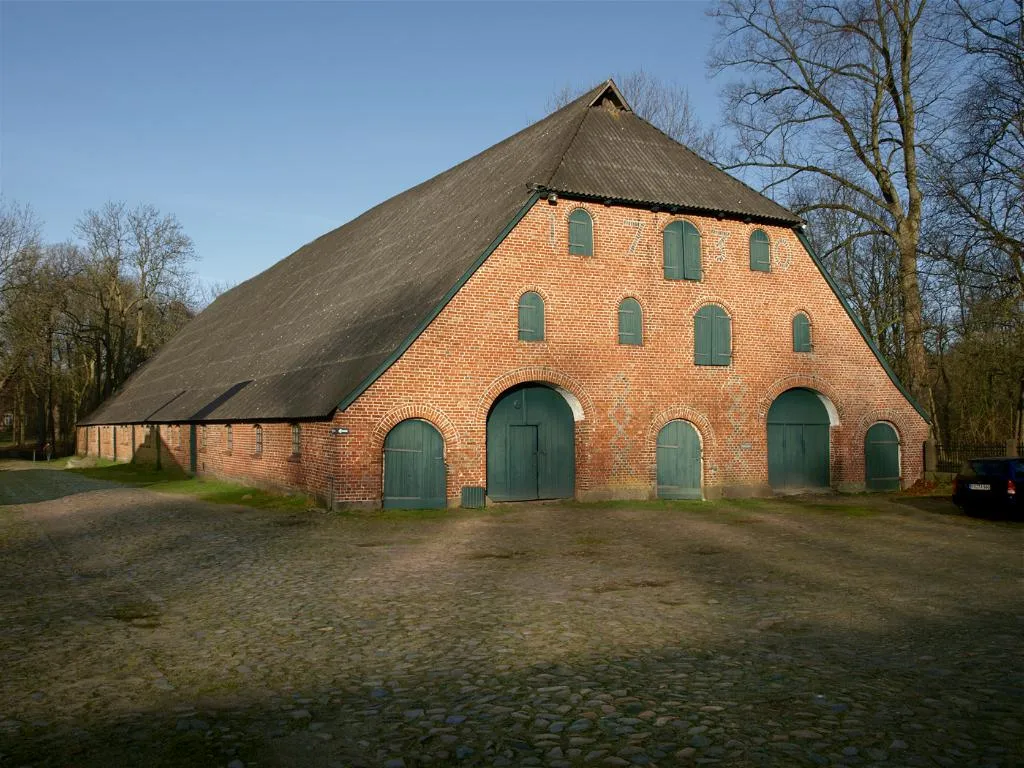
x: 980, y: 487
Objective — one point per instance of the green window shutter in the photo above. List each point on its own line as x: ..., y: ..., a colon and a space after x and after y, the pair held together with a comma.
x: 691, y: 252
x: 760, y: 253
x: 801, y: 333
x: 712, y: 336
x: 703, y: 323
x: 581, y: 233
x: 531, y: 317
x: 673, y: 253
x: 631, y: 322
x: 721, y: 346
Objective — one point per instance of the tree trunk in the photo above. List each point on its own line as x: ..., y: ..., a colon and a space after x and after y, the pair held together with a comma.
x: 913, y: 314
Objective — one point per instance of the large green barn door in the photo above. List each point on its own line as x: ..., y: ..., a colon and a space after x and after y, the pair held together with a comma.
x: 531, y: 446
x: 678, y: 461
x: 798, y: 441
x: 882, y: 458
x: 414, y: 475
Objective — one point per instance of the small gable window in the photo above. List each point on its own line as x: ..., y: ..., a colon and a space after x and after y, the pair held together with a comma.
x: 631, y: 322
x: 682, y: 251
x: 712, y: 336
x: 801, y: 333
x: 258, y: 443
x: 296, y: 439
x: 531, y: 317
x: 229, y: 437
x: 760, y: 252
x: 581, y: 233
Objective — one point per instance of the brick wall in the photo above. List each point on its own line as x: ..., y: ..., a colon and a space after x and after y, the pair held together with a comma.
x: 470, y: 354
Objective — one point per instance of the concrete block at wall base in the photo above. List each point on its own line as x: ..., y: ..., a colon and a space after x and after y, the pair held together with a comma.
x: 357, y: 506
x: 755, y: 490
x: 617, y: 493
x: 851, y: 486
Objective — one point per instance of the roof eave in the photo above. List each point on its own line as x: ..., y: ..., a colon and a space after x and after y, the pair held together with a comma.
x: 671, y: 207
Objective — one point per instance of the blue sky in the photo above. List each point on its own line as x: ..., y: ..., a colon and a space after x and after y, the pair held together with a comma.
x: 263, y: 125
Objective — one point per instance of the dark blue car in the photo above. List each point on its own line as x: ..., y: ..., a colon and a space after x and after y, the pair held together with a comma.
x: 990, y: 486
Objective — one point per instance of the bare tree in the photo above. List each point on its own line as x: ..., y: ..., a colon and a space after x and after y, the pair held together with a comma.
x: 844, y: 92
x: 137, y: 260
x: 19, y: 245
x: 664, y: 104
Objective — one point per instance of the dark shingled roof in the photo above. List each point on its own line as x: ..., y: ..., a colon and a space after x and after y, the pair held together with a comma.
x: 314, y: 329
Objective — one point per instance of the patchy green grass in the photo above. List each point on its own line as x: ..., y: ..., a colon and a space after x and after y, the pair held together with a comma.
x: 174, y: 480
x: 843, y: 510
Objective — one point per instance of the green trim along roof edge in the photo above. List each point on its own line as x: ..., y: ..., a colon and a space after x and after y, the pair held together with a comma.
x: 863, y: 331
x: 426, y: 321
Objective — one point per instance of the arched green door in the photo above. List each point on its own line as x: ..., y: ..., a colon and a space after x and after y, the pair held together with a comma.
x: 414, y: 476
x: 798, y: 444
x: 882, y: 458
x: 531, y: 446
x: 678, y: 461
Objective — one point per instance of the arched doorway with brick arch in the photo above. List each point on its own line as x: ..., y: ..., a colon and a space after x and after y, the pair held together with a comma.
x: 537, y: 426
x: 799, y: 441
x: 531, y: 444
x: 412, y: 444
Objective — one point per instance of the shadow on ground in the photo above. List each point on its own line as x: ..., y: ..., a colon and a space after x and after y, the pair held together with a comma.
x: 30, y: 486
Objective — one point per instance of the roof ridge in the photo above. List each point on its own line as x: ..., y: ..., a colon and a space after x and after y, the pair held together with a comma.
x: 591, y: 98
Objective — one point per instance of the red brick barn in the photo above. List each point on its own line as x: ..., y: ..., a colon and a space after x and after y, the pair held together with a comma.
x: 587, y: 309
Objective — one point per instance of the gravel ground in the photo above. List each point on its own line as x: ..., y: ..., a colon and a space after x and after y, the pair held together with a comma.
x: 146, y: 629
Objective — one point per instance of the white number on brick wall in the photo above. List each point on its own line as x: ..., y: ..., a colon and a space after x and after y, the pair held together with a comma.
x: 639, y: 227
x: 781, y: 258
x: 722, y: 238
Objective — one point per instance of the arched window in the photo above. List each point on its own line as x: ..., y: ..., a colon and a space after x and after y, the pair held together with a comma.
x: 531, y: 317
x: 258, y: 442
x: 760, y: 252
x: 296, y: 439
x: 801, y: 333
x: 682, y: 251
x: 712, y: 336
x: 581, y: 233
x: 631, y: 322
x: 229, y: 437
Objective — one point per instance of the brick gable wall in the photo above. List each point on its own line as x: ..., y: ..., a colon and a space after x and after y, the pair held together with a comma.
x: 470, y: 354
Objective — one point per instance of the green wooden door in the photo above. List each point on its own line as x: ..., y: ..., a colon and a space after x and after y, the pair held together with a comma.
x: 882, y: 458
x: 678, y: 458
x: 534, y: 463
x: 414, y: 472
x: 192, y: 458
x: 522, y: 461
x: 798, y: 441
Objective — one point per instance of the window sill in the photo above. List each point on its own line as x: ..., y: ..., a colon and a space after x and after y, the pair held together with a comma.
x: 295, y: 458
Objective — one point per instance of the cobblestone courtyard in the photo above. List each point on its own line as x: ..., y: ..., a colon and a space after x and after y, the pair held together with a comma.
x: 146, y: 629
